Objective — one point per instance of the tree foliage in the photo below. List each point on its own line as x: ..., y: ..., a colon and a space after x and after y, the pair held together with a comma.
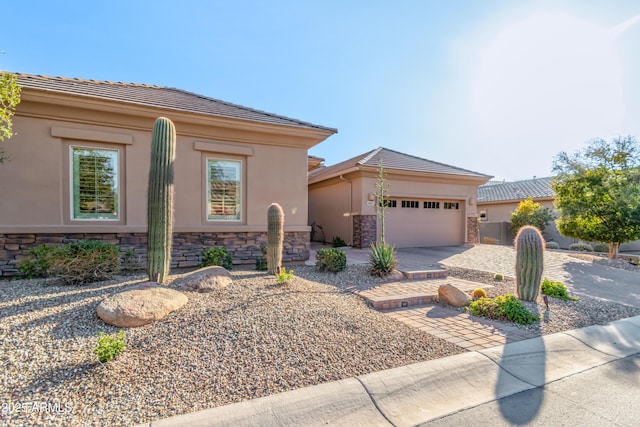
x: 532, y: 213
x: 9, y: 100
x: 598, y: 192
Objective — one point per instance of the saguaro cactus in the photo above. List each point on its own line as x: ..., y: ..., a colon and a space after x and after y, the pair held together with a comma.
x: 160, y: 199
x: 275, y: 237
x: 529, y: 262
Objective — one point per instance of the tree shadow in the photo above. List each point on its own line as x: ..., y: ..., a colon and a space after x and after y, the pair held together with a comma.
x: 608, y: 283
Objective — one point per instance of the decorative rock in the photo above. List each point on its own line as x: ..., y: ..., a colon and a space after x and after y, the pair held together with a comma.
x: 395, y: 276
x: 449, y: 294
x: 138, y: 307
x: 208, y: 279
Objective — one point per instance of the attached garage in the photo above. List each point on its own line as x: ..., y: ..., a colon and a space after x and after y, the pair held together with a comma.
x: 425, y: 222
x: 429, y: 203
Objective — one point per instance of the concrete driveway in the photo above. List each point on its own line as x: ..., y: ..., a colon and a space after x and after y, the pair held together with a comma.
x: 582, y: 277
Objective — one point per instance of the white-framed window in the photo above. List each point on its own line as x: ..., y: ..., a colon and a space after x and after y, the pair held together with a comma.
x: 94, y: 186
x: 483, y: 216
x: 224, y: 190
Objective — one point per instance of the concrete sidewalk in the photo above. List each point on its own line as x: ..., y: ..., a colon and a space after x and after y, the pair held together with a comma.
x: 587, y: 377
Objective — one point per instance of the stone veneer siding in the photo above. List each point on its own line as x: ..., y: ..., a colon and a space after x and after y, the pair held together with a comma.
x: 473, y: 231
x: 364, y: 230
x: 187, y: 247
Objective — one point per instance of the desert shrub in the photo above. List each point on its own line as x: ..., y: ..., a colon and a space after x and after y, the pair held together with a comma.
x: 217, y: 256
x: 556, y: 290
x: 503, y: 307
x: 85, y: 261
x: 552, y: 245
x: 531, y: 213
x: 331, y: 259
x: 382, y: 259
x: 479, y: 293
x: 582, y: 247
x: 601, y: 247
x: 498, y: 276
x: 489, y: 240
x: 37, y: 262
x: 109, y: 346
x: 283, y: 276
x: 338, y: 242
x: 261, y: 261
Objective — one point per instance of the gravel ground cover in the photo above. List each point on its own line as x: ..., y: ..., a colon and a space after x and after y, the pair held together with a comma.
x: 560, y: 315
x: 252, y: 339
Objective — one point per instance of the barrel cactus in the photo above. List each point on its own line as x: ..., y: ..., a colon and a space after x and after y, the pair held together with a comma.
x: 275, y: 237
x: 529, y: 262
x: 160, y: 199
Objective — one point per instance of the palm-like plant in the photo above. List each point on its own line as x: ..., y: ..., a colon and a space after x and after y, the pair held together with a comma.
x: 382, y: 259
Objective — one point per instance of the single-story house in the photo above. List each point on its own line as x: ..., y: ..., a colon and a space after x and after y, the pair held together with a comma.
x: 496, y: 201
x: 429, y: 203
x: 79, y: 165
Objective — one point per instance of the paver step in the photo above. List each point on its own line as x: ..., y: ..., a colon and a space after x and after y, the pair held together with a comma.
x: 425, y: 274
x: 395, y: 295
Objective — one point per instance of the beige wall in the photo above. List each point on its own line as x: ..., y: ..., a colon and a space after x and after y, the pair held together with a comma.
x: 327, y: 208
x: 34, y: 193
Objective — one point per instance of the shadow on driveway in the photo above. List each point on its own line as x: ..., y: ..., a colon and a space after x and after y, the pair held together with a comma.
x: 608, y: 283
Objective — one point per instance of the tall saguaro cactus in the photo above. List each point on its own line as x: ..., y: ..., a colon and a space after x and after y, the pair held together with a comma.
x: 529, y: 262
x: 160, y: 199
x: 275, y: 237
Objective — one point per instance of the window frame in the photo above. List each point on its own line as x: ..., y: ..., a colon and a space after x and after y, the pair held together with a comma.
x: 119, y: 180
x: 241, y: 189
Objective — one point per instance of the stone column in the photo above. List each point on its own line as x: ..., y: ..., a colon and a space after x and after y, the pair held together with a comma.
x: 364, y: 230
x: 473, y: 232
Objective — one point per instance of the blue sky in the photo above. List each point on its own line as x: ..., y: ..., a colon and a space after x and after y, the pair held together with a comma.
x: 495, y: 86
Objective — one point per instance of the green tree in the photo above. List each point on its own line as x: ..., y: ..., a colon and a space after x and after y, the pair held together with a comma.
x: 532, y: 213
x: 9, y: 100
x: 598, y: 192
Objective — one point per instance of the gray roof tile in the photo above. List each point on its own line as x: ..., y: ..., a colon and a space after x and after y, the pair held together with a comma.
x: 157, y: 96
x: 392, y: 159
x: 517, y: 190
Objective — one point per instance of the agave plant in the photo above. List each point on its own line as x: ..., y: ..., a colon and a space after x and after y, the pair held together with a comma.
x: 382, y: 259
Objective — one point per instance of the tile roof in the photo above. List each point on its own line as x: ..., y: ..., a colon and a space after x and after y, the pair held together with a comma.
x: 517, y: 190
x: 392, y: 159
x: 157, y: 96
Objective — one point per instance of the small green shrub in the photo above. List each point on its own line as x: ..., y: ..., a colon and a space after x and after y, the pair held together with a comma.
x: 109, y: 346
x: 479, y: 293
x: 582, y: 247
x: 489, y: 241
x: 498, y: 276
x: 601, y: 247
x: 331, y: 259
x: 217, y: 256
x: 556, y: 290
x: 283, y: 276
x: 85, y: 261
x: 552, y: 245
x: 37, y: 262
x: 338, y: 242
x: 382, y: 259
x: 261, y: 261
x: 503, y: 307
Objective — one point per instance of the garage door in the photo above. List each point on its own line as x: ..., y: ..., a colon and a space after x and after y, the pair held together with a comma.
x: 424, y: 222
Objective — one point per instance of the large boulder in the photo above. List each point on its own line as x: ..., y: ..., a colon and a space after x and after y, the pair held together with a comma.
x: 208, y: 279
x: 137, y: 307
x: 449, y: 294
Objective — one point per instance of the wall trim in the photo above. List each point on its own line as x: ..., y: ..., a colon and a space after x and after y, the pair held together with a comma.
x: 91, y: 135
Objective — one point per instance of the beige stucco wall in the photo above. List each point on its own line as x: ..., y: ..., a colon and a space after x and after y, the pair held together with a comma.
x: 328, y: 206
x: 34, y: 193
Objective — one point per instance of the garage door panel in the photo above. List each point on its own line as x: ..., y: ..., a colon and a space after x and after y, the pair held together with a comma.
x: 415, y: 227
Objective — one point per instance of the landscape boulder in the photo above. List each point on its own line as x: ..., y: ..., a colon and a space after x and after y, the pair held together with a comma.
x: 208, y: 279
x: 449, y: 294
x: 148, y: 303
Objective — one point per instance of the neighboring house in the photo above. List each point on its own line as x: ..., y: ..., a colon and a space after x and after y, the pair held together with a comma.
x: 79, y: 165
x: 496, y: 201
x: 429, y: 203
